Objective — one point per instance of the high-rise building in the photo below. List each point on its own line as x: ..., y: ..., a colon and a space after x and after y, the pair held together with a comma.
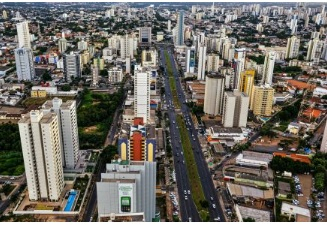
x: 127, y: 187
x: 23, y: 35
x: 41, y: 146
x: 180, y: 29
x: 141, y: 143
x: 293, y: 25
x: 24, y: 64
x: 236, y: 105
x: 262, y: 100
x: 72, y: 65
x: 292, y: 48
x: 126, y: 46
x: 314, y: 50
x: 145, y: 35
x: 62, y: 43
x: 323, y: 146
x: 202, y: 62
x: 169, y: 25
x: 190, y: 60
x: 95, y: 75
x: 238, y: 65
x: 214, y: 94
x: 68, y: 129
x: 82, y: 45
x: 142, y: 94
x: 4, y: 14
x: 128, y: 65
x: 247, y: 82
x: 212, y: 63
x: 99, y: 63
x: 268, y: 68
x: 115, y: 75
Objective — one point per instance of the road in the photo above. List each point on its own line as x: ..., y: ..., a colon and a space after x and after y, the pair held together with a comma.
x: 205, y: 176
x: 188, y: 209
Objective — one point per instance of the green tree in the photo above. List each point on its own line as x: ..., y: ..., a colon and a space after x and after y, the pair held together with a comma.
x: 46, y: 76
x: 66, y: 87
x: 248, y: 219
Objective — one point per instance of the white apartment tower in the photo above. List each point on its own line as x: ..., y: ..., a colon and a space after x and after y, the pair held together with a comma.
x: 268, y: 68
x: 142, y: 94
x: 323, y: 146
x: 126, y: 47
x: 82, y: 45
x: 214, y: 94
x: 23, y: 35
x: 24, y: 64
x: 41, y: 146
x: 238, y: 65
x: 202, y: 62
x: 292, y: 48
x: 95, y: 75
x: 314, y: 50
x: 236, y: 105
x: 67, y: 117
x: 293, y: 25
x: 62, y: 43
x: 212, y: 63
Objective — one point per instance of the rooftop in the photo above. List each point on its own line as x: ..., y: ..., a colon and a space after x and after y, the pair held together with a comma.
x: 256, y: 214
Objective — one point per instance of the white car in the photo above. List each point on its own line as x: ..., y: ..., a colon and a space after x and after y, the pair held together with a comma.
x: 214, y: 206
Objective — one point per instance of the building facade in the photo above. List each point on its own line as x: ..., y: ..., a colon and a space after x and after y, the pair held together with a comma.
x: 23, y: 35
x: 268, y: 68
x: 214, y: 94
x: 142, y: 94
x: 41, y: 146
x: 262, y: 100
x: 72, y: 66
x: 202, y: 62
x: 24, y: 64
x: 292, y: 48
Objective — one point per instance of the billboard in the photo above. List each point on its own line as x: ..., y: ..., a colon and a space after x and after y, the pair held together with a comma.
x: 125, y: 195
x: 192, y: 58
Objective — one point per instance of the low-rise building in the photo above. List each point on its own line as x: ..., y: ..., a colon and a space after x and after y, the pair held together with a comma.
x: 254, y: 159
x: 300, y: 214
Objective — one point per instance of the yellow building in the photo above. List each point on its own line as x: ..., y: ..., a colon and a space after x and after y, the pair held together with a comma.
x: 99, y: 62
x: 247, y: 82
x: 262, y: 100
x: 85, y: 57
x: 38, y: 94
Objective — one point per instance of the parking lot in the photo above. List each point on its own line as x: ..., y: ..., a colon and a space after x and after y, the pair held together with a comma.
x: 306, y: 184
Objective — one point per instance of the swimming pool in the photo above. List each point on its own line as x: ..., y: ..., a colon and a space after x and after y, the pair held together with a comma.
x: 70, y: 201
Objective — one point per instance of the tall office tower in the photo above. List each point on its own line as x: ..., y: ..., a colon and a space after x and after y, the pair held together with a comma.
x: 128, y: 65
x: 145, y: 35
x: 127, y: 187
x: 82, y: 45
x: 323, y: 146
x: 169, y: 25
x: 212, y: 9
x: 95, y: 75
x: 126, y: 47
x: 180, y: 29
x: 292, y: 48
x: 212, y: 63
x: 41, y: 146
x: 314, y: 50
x: 99, y: 63
x: 141, y: 144
x: 293, y: 25
x: 4, y: 14
x: 238, y: 65
x: 262, y: 100
x: 247, y: 82
x: 306, y: 20
x: 24, y: 64
x: 202, y: 62
x: 236, y: 105
x: 142, y: 94
x: 190, y: 60
x: 214, y: 94
x: 149, y: 58
x: 23, y: 35
x: 268, y: 68
x: 62, y: 43
x: 72, y: 66
x: 68, y: 129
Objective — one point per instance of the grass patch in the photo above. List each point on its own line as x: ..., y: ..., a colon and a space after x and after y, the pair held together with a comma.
x: 172, y: 83
x: 43, y: 207
x: 196, y: 187
x: 94, y: 156
x: 89, y: 169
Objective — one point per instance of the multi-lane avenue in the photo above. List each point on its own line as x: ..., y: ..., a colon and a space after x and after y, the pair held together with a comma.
x: 210, y: 192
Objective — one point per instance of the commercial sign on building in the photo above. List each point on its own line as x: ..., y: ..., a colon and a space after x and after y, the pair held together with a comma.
x: 192, y: 58
x: 125, y: 194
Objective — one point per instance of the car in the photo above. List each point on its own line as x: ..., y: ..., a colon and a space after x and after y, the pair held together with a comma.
x: 189, y: 192
x: 190, y: 219
x: 185, y: 192
x: 214, y: 206
x: 186, y: 197
x: 217, y: 219
x: 12, y: 178
x: 91, y: 218
x: 193, y: 139
x: 211, y: 198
